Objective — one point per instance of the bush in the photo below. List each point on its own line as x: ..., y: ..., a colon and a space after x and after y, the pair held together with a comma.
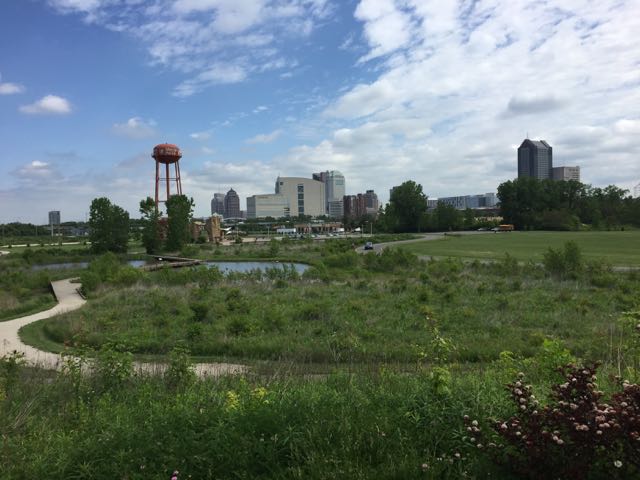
x: 114, y: 366
x: 566, y: 263
x: 180, y: 372
x: 575, y: 436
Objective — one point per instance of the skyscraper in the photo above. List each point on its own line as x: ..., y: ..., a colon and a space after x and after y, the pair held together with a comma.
x: 217, y: 204
x: 334, y: 191
x: 231, y: 204
x: 535, y: 159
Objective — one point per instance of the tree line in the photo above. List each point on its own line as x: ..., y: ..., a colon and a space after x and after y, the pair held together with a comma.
x: 109, y: 225
x: 532, y: 204
x: 527, y: 203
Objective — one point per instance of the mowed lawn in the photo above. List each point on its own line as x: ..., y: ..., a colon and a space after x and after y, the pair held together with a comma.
x: 617, y: 248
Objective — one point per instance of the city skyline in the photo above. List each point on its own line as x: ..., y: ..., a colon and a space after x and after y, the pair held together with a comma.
x: 382, y: 91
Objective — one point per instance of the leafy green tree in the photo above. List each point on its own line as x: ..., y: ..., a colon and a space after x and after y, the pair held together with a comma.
x: 108, y: 227
x: 447, y: 217
x: 150, y: 225
x: 406, y: 207
x: 179, y: 212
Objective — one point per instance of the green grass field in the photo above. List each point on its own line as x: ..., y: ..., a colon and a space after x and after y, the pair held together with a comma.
x: 617, y: 248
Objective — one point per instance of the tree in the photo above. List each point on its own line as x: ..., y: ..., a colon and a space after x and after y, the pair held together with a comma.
x: 446, y: 217
x: 179, y: 212
x: 108, y: 227
x: 406, y: 207
x: 150, y: 225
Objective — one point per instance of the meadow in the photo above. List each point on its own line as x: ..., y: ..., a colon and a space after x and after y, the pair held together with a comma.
x: 367, y: 366
x: 615, y: 247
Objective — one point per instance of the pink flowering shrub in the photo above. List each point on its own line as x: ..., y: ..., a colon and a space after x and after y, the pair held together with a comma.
x: 576, y: 436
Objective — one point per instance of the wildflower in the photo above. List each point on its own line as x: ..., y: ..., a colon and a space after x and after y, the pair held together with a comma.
x: 475, y: 422
x: 232, y: 402
x: 425, y: 466
x: 617, y: 464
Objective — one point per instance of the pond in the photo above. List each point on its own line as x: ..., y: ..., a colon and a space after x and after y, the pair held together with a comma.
x: 244, y: 267
x: 68, y: 265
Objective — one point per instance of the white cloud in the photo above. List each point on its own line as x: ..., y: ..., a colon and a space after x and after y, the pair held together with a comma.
x: 35, y: 171
x: 215, y: 75
x: 7, y: 88
x: 387, y: 28
x: 446, y: 106
x: 201, y: 136
x: 211, y: 41
x: 264, y: 137
x: 135, y: 128
x: 50, y: 104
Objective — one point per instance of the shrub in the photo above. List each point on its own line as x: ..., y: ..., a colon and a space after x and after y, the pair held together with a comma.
x: 566, y: 263
x: 114, y: 366
x: 180, y: 372
x: 575, y: 436
x: 200, y: 311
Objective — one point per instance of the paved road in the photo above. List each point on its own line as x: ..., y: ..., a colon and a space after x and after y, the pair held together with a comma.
x: 69, y: 299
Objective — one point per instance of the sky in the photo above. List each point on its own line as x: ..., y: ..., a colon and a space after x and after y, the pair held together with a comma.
x: 439, y: 92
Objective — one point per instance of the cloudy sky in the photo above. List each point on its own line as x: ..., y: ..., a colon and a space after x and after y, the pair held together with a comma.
x: 440, y: 92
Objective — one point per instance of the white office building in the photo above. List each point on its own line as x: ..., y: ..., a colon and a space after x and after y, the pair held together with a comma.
x: 304, y: 195
x: 565, y: 173
x: 267, y: 205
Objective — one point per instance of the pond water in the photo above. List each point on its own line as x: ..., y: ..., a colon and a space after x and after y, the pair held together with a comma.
x: 244, y: 267
x: 68, y: 265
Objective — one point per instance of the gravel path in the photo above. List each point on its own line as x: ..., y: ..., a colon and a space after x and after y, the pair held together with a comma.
x: 69, y: 299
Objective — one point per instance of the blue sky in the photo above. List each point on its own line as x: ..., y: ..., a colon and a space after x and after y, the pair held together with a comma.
x: 382, y: 90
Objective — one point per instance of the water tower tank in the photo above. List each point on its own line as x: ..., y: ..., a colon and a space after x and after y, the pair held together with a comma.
x: 167, y: 154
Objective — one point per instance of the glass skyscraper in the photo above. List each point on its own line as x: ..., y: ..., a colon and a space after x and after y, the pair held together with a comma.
x: 535, y: 159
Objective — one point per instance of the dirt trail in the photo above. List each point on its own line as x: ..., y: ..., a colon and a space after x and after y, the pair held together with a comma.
x: 69, y: 299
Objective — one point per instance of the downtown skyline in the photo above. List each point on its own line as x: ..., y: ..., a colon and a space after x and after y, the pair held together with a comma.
x: 383, y: 91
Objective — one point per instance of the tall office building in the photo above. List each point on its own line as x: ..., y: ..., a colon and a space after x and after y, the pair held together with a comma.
x: 334, y: 190
x: 356, y: 206
x: 232, y: 204
x: 54, y: 218
x: 305, y: 195
x: 535, y: 159
x: 217, y: 204
x: 371, y: 202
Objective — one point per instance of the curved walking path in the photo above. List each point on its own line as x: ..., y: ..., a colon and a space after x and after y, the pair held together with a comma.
x: 69, y: 299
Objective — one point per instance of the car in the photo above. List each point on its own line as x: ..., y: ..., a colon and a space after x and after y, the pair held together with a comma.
x: 368, y: 246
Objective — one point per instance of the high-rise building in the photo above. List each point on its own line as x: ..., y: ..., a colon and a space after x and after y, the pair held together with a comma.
x: 217, y: 204
x: 268, y: 205
x: 334, y: 190
x: 462, y: 202
x: 54, y: 218
x: 565, y: 173
x: 371, y: 203
x: 361, y: 204
x: 535, y: 159
x: 305, y: 195
x: 231, y: 204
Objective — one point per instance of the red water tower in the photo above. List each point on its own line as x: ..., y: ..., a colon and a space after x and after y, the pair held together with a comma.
x: 167, y: 154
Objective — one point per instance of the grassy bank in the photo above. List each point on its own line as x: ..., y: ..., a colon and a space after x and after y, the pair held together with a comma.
x: 616, y: 248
